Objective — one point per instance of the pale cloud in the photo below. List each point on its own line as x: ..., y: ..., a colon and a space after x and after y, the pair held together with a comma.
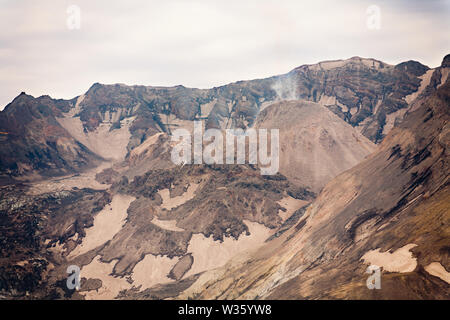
x: 201, y: 43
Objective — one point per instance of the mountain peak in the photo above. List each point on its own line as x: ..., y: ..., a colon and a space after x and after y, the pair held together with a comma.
x: 95, y: 86
x: 22, y: 97
x: 413, y: 67
x: 339, y: 63
x: 446, y: 62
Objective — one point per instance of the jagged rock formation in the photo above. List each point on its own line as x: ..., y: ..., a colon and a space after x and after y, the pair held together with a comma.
x: 366, y: 93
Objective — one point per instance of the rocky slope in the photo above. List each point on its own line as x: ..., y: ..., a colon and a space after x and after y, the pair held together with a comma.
x: 315, y: 144
x: 33, y: 142
x: 152, y: 230
x: 140, y: 227
x: 391, y: 210
x: 111, y: 120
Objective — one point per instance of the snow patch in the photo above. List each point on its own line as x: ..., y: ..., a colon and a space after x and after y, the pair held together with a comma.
x: 109, y: 144
x: 111, y: 286
x: 436, y: 269
x: 424, y: 82
x: 152, y: 270
x: 107, y: 223
x: 209, y: 254
x: 170, y: 203
x: 400, y: 260
x: 291, y: 205
x: 170, y: 225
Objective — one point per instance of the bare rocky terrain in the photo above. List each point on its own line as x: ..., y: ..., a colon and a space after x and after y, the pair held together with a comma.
x: 315, y: 144
x: 392, y: 210
x: 42, y: 135
x: 363, y: 180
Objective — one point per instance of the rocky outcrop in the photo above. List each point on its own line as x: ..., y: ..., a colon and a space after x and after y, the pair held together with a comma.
x: 35, y: 231
x: 33, y: 142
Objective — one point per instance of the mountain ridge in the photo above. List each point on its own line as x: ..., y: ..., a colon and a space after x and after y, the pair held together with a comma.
x: 396, y: 199
x: 226, y: 231
x: 366, y: 93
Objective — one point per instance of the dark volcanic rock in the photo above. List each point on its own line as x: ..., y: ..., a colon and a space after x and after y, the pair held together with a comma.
x: 30, y: 226
x: 34, y: 142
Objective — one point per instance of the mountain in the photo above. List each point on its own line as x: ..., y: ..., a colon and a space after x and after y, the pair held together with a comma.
x: 390, y: 210
x: 32, y: 141
x: 315, y: 144
x: 111, y: 120
x: 89, y: 182
x: 366, y: 93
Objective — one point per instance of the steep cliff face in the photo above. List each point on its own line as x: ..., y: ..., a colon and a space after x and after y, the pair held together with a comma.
x: 391, y: 210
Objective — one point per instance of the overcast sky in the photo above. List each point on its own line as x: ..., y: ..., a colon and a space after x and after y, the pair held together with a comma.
x: 202, y: 43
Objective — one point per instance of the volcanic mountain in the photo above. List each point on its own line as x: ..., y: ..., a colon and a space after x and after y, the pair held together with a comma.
x: 89, y: 182
x: 391, y: 210
x: 60, y: 136
x: 32, y: 141
x: 315, y: 144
